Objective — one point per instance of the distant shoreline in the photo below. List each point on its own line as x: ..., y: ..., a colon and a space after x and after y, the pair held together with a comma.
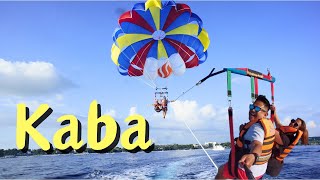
x: 15, y: 152
x: 11, y: 153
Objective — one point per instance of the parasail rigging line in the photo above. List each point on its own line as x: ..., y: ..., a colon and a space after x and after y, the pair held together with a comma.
x: 200, y: 145
x: 148, y: 75
x: 201, y: 81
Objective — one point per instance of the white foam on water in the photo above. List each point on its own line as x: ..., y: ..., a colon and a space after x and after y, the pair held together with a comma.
x: 146, y: 172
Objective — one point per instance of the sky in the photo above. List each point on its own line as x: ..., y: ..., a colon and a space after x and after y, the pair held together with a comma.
x: 58, y: 53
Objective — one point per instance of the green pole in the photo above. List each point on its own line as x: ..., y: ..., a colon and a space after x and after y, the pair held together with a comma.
x: 229, y: 83
x: 252, y: 89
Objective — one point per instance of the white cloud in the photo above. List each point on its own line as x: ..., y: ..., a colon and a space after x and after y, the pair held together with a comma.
x: 111, y: 112
x: 8, y: 108
x: 7, y: 102
x: 311, y: 124
x: 59, y: 97
x: 208, y: 111
x: 30, y: 78
x: 185, y: 110
x: 133, y: 110
x: 286, y: 121
x: 32, y: 103
x: 198, y: 117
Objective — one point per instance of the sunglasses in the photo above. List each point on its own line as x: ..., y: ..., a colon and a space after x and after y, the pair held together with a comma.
x: 295, y: 123
x: 256, y: 108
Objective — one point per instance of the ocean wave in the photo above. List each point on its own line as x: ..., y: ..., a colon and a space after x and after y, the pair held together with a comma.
x: 193, y: 164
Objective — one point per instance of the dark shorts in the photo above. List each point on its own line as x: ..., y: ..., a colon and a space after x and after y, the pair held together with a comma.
x: 285, y: 140
x: 274, y: 167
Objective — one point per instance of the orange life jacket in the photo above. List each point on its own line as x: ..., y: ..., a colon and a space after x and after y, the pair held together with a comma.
x: 286, y: 151
x: 240, y: 150
x: 269, y: 135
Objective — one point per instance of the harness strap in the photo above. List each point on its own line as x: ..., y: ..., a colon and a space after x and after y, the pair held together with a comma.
x: 243, y: 131
x: 272, y: 100
x: 230, y: 114
x: 233, y: 152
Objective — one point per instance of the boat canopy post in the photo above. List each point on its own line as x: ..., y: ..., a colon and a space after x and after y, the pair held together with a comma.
x: 230, y: 114
x: 252, y: 89
x: 256, y: 88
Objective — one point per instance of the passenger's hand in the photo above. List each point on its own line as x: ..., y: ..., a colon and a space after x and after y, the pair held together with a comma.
x: 273, y: 108
x: 247, y: 159
x: 241, y: 126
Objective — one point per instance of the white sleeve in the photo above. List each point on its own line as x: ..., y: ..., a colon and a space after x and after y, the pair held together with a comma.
x: 257, y: 133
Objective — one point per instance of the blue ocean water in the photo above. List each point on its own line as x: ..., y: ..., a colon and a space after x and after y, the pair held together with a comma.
x: 302, y: 163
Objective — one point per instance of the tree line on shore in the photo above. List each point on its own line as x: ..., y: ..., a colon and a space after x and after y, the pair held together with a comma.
x: 16, y: 152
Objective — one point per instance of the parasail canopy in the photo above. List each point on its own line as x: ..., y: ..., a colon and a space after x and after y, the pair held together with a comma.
x: 159, y: 38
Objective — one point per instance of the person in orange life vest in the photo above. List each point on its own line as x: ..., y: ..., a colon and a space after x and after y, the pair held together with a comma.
x: 157, y: 105
x: 164, y: 106
x: 254, y: 145
x: 286, y: 137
